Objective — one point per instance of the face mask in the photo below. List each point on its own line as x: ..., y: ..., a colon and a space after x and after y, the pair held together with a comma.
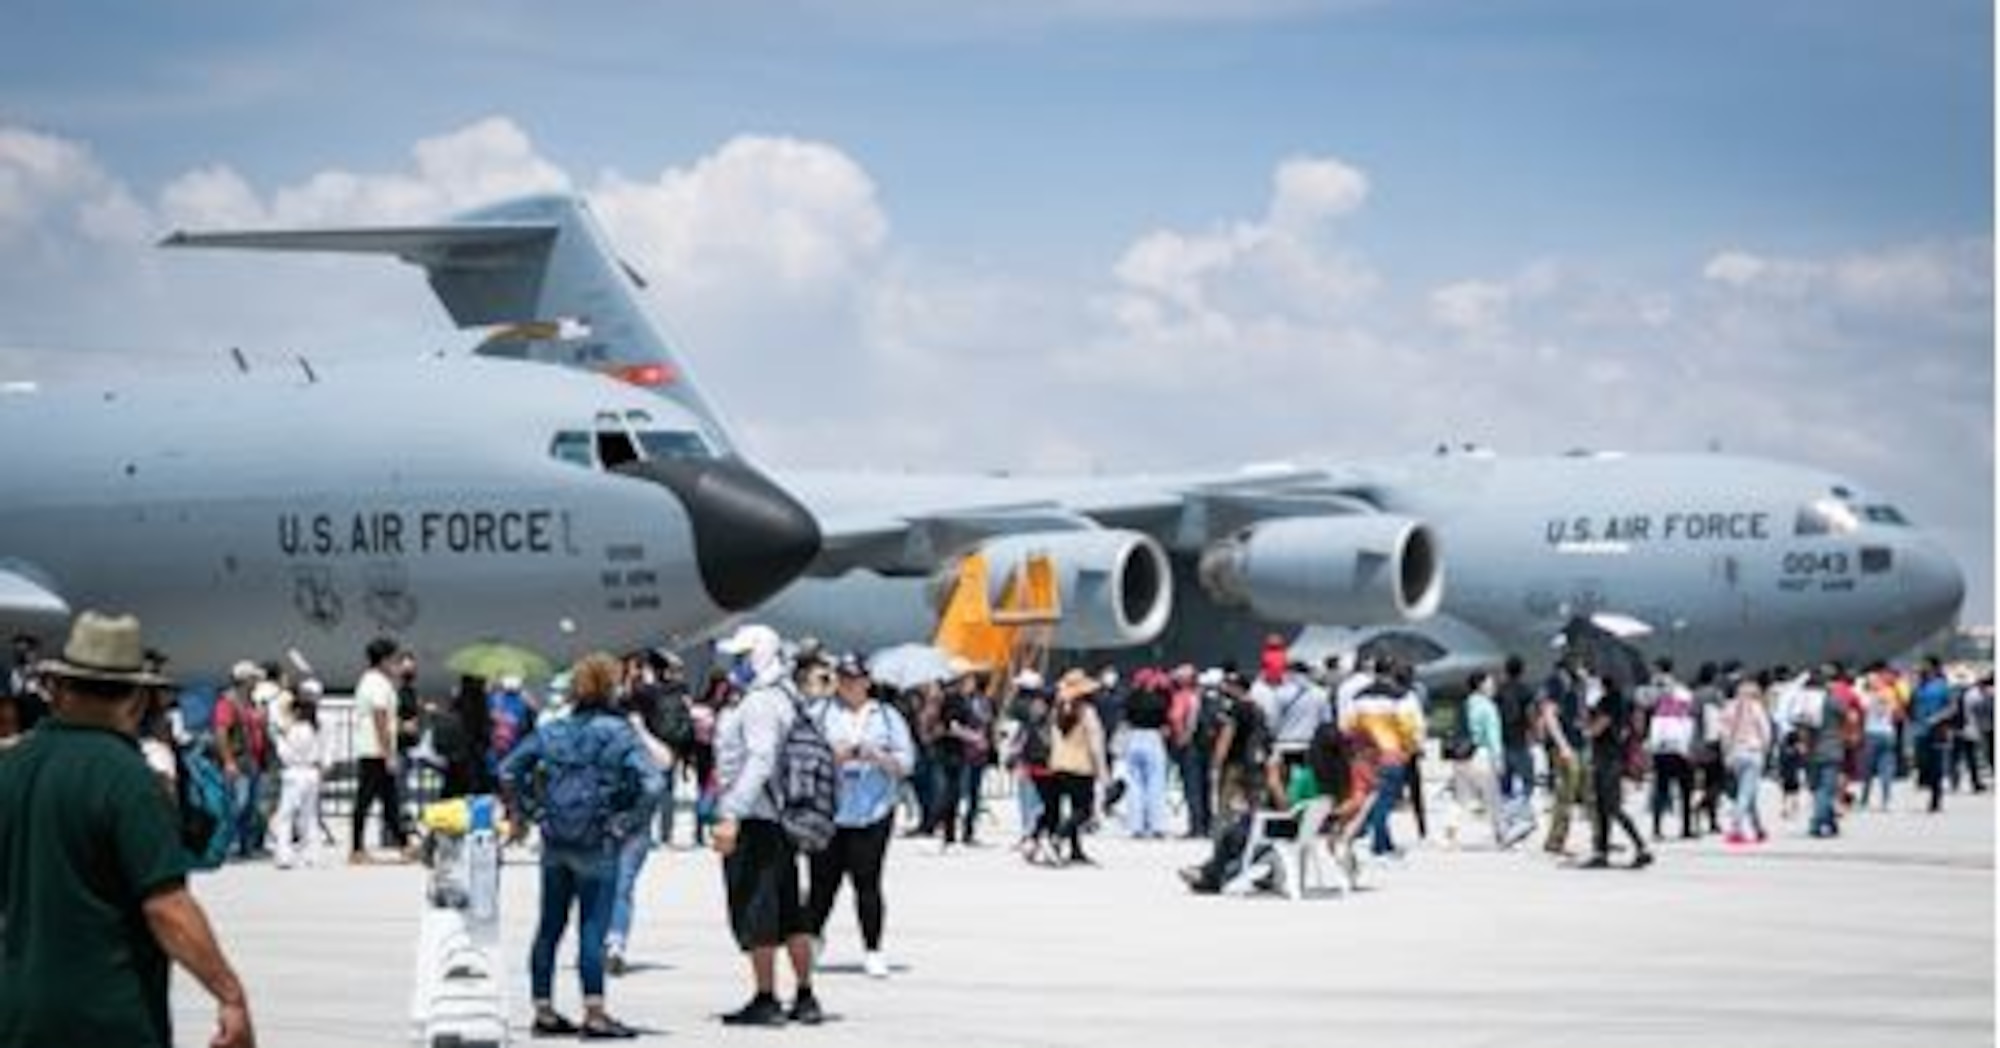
x: 741, y: 673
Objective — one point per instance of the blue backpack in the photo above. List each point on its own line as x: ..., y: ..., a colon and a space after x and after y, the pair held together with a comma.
x: 207, y: 809
x: 582, y: 787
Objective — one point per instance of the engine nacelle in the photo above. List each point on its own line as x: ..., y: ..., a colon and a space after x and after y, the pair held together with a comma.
x: 1347, y: 570
x: 1116, y: 587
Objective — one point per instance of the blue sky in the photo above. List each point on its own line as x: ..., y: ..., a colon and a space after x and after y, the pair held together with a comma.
x: 1781, y: 211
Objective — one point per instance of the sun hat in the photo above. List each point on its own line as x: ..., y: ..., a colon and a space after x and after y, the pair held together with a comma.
x: 104, y: 648
x: 1075, y: 685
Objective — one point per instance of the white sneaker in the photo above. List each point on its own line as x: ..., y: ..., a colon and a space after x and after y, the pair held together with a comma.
x: 876, y: 965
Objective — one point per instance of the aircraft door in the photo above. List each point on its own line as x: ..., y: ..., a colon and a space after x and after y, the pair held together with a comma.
x: 1726, y: 575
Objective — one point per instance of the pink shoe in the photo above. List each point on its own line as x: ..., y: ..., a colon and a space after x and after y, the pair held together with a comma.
x: 1735, y: 840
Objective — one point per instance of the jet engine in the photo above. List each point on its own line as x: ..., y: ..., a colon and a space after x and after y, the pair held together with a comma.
x: 1347, y: 570
x: 1115, y: 587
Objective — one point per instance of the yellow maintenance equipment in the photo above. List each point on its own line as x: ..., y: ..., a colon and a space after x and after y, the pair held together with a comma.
x: 1012, y: 634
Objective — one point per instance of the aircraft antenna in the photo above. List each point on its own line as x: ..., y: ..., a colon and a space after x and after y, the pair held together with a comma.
x: 242, y: 363
x: 306, y: 366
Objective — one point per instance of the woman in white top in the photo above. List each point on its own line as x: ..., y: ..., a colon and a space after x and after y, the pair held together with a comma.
x: 1878, y: 739
x: 1746, y: 740
x: 301, y: 757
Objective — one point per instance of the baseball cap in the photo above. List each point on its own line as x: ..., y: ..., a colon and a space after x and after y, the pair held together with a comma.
x: 850, y: 665
x: 750, y: 637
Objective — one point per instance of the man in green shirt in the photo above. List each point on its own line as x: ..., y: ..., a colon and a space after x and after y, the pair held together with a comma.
x: 93, y: 880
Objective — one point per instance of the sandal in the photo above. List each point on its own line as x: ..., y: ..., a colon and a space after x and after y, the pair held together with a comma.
x: 553, y: 1024
x: 607, y: 1029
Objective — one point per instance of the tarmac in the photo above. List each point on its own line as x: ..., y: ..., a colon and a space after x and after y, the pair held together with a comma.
x: 1884, y: 936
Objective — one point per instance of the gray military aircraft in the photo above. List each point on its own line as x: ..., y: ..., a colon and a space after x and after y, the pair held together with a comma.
x: 1710, y: 556
x: 438, y: 500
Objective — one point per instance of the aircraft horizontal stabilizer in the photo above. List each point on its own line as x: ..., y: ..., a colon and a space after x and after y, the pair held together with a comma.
x: 532, y: 263
x: 484, y: 273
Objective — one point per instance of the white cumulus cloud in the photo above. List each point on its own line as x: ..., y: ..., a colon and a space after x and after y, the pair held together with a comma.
x: 760, y: 210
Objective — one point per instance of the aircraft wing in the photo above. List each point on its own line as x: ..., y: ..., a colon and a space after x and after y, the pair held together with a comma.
x: 896, y: 524
x: 25, y: 602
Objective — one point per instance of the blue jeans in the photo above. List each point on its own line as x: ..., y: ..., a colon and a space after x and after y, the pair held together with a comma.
x: 667, y: 804
x: 1826, y: 789
x: 585, y: 880
x: 1517, y: 785
x: 250, y: 826
x: 1388, y: 790
x: 1878, y: 764
x: 1749, y: 773
x: 1146, y: 772
x: 1028, y: 798
x: 631, y: 859
x: 1194, y: 788
x: 970, y: 775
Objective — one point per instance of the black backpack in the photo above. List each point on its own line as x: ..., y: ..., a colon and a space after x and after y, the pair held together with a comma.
x: 1252, y: 745
x: 1458, y: 745
x: 673, y: 722
x: 1035, y: 746
x: 1328, y: 759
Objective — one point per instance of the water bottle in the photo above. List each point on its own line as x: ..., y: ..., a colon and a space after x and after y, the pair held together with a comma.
x: 482, y: 860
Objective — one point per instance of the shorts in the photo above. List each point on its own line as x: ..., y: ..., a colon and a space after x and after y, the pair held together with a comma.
x: 1791, y: 765
x: 762, y: 880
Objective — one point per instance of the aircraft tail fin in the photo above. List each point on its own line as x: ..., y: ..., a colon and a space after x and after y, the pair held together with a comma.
x: 540, y: 269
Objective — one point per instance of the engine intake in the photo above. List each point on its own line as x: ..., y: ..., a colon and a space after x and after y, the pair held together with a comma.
x: 1116, y: 586
x: 1333, y: 571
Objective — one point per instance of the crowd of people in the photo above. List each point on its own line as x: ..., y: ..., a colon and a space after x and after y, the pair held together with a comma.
x: 802, y: 762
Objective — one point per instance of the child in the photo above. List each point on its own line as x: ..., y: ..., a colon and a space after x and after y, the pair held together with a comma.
x: 301, y: 754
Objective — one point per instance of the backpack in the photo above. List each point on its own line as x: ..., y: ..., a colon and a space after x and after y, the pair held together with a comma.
x: 805, y: 782
x: 1035, y: 748
x: 1251, y: 745
x: 675, y: 725
x: 1458, y: 745
x: 1330, y: 762
x: 205, y: 803
x: 578, y: 794
x: 1211, y: 709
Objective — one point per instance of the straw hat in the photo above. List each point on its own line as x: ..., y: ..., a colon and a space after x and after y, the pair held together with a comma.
x: 104, y: 648
x: 1075, y: 685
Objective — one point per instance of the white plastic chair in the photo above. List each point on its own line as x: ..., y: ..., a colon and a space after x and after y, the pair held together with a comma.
x: 1296, y: 863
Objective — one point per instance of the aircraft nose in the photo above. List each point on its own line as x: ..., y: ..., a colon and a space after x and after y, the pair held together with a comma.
x: 1933, y: 583
x: 751, y: 537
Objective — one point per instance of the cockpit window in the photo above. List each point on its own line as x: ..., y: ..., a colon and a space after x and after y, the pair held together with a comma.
x: 612, y: 445
x: 1885, y: 514
x: 1825, y: 517
x: 573, y: 447
x: 674, y: 444
x: 614, y: 448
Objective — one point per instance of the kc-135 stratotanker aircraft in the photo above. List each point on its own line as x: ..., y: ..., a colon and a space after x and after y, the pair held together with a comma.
x: 1453, y: 559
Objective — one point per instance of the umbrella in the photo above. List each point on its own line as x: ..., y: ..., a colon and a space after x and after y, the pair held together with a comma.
x: 1624, y: 627
x: 492, y: 660
x: 906, y: 666
x: 1612, y: 656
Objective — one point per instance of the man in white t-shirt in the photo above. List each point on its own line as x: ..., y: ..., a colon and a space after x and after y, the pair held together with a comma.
x: 375, y: 760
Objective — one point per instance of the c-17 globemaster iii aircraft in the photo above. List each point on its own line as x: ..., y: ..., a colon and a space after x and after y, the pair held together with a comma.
x: 438, y: 501
x: 1710, y: 556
